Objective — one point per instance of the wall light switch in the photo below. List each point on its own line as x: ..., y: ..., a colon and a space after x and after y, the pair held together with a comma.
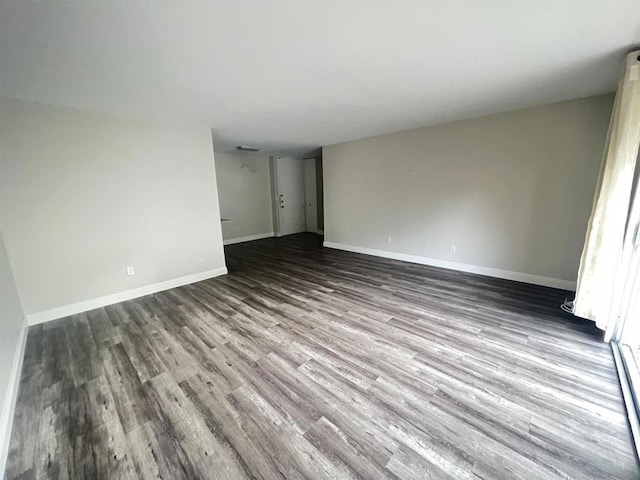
x: 453, y: 249
x: 130, y: 271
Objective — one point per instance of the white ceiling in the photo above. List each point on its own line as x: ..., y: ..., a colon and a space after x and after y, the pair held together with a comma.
x: 292, y: 75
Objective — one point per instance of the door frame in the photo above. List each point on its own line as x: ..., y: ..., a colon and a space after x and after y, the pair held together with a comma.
x: 278, y: 228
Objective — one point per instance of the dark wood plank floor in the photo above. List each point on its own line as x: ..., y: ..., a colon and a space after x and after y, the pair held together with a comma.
x: 306, y: 362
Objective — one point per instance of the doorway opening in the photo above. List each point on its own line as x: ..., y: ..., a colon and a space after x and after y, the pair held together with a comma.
x: 263, y: 196
x: 297, y: 201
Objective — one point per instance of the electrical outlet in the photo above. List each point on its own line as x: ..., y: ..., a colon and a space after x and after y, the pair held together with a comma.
x: 453, y: 249
x: 201, y: 259
x: 130, y: 271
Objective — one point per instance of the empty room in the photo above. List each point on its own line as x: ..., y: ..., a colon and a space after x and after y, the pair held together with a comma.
x: 319, y: 239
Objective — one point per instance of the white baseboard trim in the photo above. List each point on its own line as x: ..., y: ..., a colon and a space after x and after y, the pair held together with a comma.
x: 72, y: 309
x: 11, y: 397
x: 462, y: 267
x: 248, y: 238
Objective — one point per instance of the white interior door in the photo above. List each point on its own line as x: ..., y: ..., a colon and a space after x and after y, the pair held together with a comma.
x: 310, y: 198
x: 290, y: 201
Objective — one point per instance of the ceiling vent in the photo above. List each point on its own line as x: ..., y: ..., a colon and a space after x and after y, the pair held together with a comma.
x: 247, y: 148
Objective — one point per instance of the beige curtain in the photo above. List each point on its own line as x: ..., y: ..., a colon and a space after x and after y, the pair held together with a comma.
x: 600, y: 265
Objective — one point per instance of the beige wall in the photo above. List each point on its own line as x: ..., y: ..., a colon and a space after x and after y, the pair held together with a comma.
x: 11, y: 315
x: 245, y: 194
x: 320, y: 193
x: 512, y: 192
x: 84, y: 195
x: 11, y: 318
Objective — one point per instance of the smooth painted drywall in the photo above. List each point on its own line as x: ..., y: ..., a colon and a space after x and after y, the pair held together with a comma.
x: 320, y: 193
x: 510, y: 191
x: 84, y: 195
x: 291, y: 75
x: 244, y: 191
x: 11, y: 321
x: 11, y: 316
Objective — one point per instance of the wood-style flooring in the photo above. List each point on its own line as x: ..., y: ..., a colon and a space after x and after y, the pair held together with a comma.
x: 306, y: 362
